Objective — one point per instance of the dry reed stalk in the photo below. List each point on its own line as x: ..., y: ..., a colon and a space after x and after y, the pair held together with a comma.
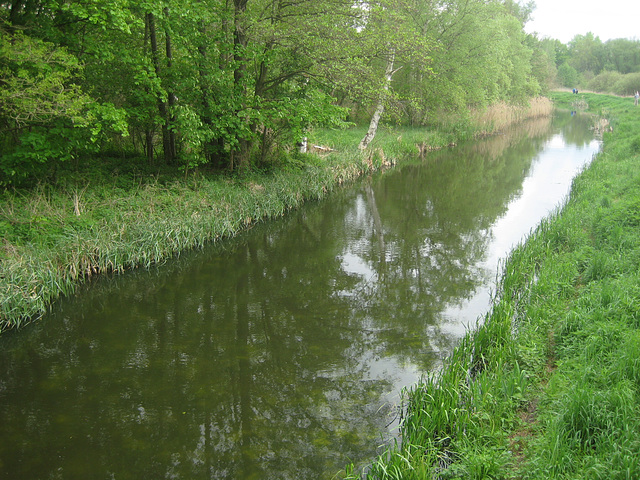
x: 77, y: 206
x: 502, y: 115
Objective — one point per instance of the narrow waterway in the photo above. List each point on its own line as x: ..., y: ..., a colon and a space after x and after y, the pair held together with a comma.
x: 281, y: 354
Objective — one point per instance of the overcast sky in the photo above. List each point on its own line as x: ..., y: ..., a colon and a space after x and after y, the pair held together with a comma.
x: 564, y: 19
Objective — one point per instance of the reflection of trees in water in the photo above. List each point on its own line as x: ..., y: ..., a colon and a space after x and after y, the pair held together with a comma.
x: 422, y: 231
x: 266, y: 358
x: 526, y: 136
x: 240, y: 365
x: 576, y: 129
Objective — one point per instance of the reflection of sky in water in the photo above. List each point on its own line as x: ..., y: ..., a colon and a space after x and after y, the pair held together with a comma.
x: 378, y: 368
x: 355, y: 265
x: 397, y: 372
x: 544, y: 190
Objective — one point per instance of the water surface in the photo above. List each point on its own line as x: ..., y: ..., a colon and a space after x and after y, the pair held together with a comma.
x: 280, y: 354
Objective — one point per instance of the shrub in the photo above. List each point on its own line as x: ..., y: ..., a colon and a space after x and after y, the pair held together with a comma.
x: 628, y: 84
x: 604, y: 82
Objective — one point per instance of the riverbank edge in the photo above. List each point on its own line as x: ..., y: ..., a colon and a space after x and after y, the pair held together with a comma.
x: 548, y: 383
x: 66, y: 234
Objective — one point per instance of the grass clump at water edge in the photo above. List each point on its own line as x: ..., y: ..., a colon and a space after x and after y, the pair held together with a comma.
x: 54, y: 237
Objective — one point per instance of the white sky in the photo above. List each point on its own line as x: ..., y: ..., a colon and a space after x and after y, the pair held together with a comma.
x: 564, y: 19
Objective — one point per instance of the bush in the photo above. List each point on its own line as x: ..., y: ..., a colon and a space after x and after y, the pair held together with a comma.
x: 628, y: 84
x: 604, y: 82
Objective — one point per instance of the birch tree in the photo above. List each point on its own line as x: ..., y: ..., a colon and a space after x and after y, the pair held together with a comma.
x: 377, y: 115
x: 392, y: 35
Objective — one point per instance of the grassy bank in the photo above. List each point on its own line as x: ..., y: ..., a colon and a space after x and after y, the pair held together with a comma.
x: 549, y: 385
x: 110, y: 215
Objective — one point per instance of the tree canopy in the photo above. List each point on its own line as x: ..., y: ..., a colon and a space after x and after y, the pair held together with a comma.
x: 230, y: 83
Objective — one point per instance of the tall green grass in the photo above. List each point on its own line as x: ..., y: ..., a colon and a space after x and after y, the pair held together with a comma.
x: 548, y: 384
x: 54, y: 237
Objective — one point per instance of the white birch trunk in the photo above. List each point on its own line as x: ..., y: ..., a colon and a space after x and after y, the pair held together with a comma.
x: 375, y: 120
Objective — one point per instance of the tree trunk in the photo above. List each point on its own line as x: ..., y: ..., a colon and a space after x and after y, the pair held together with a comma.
x: 162, y: 106
x: 375, y: 120
x: 149, y: 145
x: 240, y: 43
x: 171, y: 96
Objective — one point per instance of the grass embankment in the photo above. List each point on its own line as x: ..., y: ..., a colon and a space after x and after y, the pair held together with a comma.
x: 549, y: 385
x: 112, y: 215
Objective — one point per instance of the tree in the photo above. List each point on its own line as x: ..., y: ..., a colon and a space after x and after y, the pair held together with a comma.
x: 287, y: 55
x: 377, y: 115
x: 479, y: 56
x: 543, y: 67
x: 392, y: 34
x: 567, y: 75
x: 41, y: 106
x: 47, y: 114
x: 622, y: 55
x: 586, y: 53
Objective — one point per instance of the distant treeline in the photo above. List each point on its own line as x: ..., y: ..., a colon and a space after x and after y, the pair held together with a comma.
x: 590, y: 64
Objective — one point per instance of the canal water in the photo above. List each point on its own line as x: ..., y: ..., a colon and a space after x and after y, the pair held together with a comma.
x: 280, y: 354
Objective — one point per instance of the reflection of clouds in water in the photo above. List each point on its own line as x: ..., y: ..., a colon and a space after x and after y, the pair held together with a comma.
x: 353, y: 264
x: 556, y: 142
x: 358, y: 219
x: 545, y: 189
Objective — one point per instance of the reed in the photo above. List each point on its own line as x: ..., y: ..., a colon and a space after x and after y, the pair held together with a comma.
x: 501, y: 115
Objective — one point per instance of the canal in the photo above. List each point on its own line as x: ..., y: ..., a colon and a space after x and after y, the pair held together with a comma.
x: 281, y: 354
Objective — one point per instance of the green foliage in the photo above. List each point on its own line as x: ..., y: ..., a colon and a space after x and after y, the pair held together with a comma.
x: 38, y: 149
x: 46, y: 118
x: 627, y: 85
x: 227, y: 85
x: 586, y: 53
x: 39, y: 103
x: 37, y: 82
x: 596, y: 64
x: 543, y: 68
x: 480, y: 56
x: 604, y: 82
x: 567, y: 76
